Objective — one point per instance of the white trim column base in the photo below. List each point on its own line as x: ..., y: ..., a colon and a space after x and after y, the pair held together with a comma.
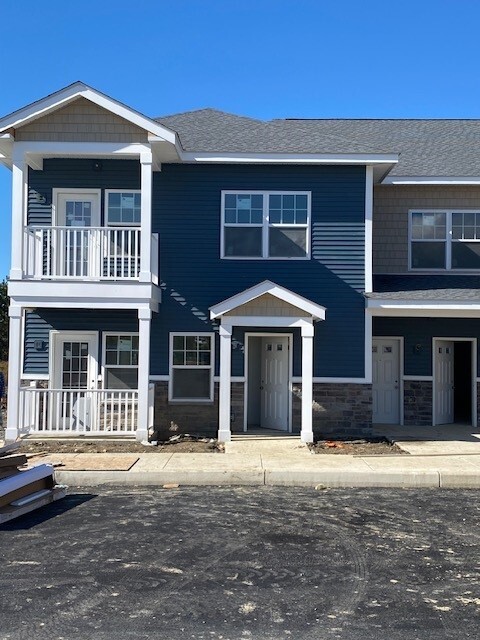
x: 144, y: 321
x: 306, y: 433
x: 225, y: 392
x: 14, y: 373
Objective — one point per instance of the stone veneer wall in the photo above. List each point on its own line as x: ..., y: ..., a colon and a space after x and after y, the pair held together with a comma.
x: 337, y: 408
x: 418, y: 398
x: 172, y: 418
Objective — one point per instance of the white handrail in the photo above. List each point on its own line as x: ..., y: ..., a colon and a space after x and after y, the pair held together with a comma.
x: 113, y: 411
x: 97, y: 253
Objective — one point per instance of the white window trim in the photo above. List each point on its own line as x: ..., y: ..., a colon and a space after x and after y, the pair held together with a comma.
x: 104, y: 366
x: 266, y: 224
x: 171, y: 366
x: 105, y: 208
x: 448, y: 241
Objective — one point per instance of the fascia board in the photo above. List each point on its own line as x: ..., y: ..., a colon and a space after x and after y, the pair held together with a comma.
x: 291, y: 158
x: 431, y: 180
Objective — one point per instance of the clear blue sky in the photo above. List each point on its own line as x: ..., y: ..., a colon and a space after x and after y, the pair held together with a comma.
x: 263, y: 58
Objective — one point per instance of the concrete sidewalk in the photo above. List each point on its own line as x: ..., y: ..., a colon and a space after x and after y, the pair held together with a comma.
x: 277, y: 466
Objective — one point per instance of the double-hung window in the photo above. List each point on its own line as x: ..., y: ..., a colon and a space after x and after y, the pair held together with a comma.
x: 191, y: 367
x: 120, y: 361
x: 266, y: 224
x: 445, y: 239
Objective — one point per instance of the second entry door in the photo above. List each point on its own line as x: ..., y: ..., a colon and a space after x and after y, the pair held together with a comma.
x: 444, y: 381
x: 274, y: 383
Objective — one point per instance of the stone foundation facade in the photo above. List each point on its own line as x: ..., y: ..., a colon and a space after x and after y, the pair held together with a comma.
x: 171, y: 418
x: 418, y: 399
x: 338, y: 408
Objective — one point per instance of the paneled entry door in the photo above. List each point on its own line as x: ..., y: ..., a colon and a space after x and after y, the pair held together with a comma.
x: 386, y: 381
x: 274, y: 383
x: 78, y: 247
x: 444, y: 381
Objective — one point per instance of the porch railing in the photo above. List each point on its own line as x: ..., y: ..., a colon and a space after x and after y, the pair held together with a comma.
x: 97, y: 253
x: 73, y: 411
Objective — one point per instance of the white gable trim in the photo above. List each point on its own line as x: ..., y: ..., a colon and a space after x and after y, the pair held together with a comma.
x: 432, y: 180
x: 61, y: 98
x: 313, y: 309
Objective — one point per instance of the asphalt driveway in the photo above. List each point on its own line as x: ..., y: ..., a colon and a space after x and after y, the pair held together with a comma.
x: 240, y: 563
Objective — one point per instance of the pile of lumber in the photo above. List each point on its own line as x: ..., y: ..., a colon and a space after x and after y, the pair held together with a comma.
x: 23, y: 490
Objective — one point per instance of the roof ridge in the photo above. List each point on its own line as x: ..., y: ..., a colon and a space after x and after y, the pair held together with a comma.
x: 211, y: 109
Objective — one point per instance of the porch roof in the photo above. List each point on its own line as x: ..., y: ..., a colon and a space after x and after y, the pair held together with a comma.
x: 267, y: 287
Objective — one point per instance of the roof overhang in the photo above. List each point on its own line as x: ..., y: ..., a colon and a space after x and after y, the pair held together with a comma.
x: 382, y: 163
x: 432, y: 180
x: 230, y: 304
x: 423, y: 308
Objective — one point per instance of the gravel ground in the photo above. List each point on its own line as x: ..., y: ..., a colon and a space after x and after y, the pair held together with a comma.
x: 357, y: 446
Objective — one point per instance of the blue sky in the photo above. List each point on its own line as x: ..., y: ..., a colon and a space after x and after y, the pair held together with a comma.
x: 262, y: 58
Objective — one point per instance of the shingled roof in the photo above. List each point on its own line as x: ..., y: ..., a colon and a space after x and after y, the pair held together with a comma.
x: 441, y: 287
x: 437, y: 148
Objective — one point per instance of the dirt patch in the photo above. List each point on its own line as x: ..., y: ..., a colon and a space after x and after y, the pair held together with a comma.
x: 203, y: 445
x: 357, y: 447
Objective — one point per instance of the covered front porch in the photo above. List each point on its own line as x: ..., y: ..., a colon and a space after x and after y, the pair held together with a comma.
x: 81, y: 372
x: 269, y: 314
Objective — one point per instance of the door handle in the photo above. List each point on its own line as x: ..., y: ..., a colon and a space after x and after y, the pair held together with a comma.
x: 261, y: 388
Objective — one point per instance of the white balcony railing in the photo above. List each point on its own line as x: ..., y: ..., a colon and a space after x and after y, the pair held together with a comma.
x: 96, y: 253
x: 78, y: 411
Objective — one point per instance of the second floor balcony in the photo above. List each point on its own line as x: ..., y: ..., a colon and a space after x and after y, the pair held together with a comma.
x: 85, y: 253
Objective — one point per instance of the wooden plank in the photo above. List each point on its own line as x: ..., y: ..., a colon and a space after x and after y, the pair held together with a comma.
x: 9, y: 448
x: 7, y: 472
x: 13, y: 461
x: 9, y: 513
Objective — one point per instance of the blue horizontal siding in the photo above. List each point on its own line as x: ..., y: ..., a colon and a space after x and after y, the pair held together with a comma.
x: 420, y: 331
x: 186, y: 214
x: 40, y: 322
x: 76, y: 174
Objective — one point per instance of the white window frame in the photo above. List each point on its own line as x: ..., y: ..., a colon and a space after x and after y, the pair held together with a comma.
x: 448, y: 241
x: 171, y: 367
x: 105, y: 208
x: 266, y: 223
x: 106, y: 366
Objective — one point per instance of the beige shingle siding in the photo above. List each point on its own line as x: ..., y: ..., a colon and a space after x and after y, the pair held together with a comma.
x: 81, y: 121
x: 267, y: 305
x: 390, y: 218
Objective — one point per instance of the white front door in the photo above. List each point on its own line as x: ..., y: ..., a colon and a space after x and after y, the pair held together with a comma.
x: 75, y: 372
x: 75, y: 214
x: 274, y: 383
x: 444, y: 381
x: 386, y: 381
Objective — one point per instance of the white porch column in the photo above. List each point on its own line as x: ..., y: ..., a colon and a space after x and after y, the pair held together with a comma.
x: 144, y: 320
x: 19, y: 198
x: 306, y: 433
x: 14, y: 372
x: 224, y: 427
x: 146, y: 217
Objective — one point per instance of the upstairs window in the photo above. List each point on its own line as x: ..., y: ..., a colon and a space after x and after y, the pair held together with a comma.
x: 447, y: 240
x: 122, y: 207
x: 265, y: 224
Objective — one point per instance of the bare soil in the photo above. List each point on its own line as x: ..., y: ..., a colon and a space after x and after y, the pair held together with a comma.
x: 204, y: 445
x: 368, y: 446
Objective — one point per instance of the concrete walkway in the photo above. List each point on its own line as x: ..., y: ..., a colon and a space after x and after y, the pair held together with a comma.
x: 274, y: 462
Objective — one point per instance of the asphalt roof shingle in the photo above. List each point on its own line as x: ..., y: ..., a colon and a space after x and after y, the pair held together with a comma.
x: 442, y: 287
x: 426, y: 147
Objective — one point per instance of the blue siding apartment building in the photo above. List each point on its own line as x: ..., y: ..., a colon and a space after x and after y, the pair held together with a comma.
x: 211, y: 273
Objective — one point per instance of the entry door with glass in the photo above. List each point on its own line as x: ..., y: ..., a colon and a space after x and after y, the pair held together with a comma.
x: 75, y: 374
x: 77, y: 215
x: 274, y: 383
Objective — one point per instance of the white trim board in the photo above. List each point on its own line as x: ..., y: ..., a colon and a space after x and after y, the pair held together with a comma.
x: 431, y: 180
x: 418, y: 378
